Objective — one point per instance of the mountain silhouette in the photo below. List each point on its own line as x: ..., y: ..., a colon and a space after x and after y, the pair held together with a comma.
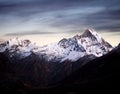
x: 81, y: 64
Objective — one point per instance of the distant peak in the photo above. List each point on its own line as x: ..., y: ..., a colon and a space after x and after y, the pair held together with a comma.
x: 90, y: 31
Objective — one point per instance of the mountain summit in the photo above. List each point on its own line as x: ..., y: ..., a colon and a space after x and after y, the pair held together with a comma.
x: 47, y: 65
x: 89, y: 43
x: 93, y: 43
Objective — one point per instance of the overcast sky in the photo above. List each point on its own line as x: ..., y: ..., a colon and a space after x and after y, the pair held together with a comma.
x: 41, y: 18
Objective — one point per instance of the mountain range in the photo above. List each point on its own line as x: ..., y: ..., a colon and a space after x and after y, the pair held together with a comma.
x: 89, y: 43
x: 73, y: 63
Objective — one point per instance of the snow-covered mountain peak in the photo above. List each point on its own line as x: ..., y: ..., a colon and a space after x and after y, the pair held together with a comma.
x: 93, y: 43
x: 89, y: 43
x: 19, y: 42
x: 17, y: 48
x: 92, y: 34
x: 90, y: 31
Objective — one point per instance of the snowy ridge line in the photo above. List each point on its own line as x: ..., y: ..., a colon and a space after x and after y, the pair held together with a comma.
x: 89, y: 43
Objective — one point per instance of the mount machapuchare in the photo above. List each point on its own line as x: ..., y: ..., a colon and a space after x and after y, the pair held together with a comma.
x: 47, y: 67
x: 72, y: 49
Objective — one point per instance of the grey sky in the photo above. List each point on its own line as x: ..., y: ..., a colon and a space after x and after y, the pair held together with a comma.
x: 27, y: 17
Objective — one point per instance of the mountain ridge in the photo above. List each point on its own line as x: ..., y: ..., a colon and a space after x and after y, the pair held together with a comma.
x: 72, y: 48
x: 33, y: 76
x: 49, y: 65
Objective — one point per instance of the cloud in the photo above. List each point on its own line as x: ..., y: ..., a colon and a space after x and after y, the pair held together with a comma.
x: 72, y: 15
x: 27, y: 33
x: 105, y: 20
x: 25, y: 6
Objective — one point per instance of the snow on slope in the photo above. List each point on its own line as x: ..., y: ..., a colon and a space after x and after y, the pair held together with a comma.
x: 72, y: 48
x: 17, y: 48
x: 57, y: 52
x: 93, y: 43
